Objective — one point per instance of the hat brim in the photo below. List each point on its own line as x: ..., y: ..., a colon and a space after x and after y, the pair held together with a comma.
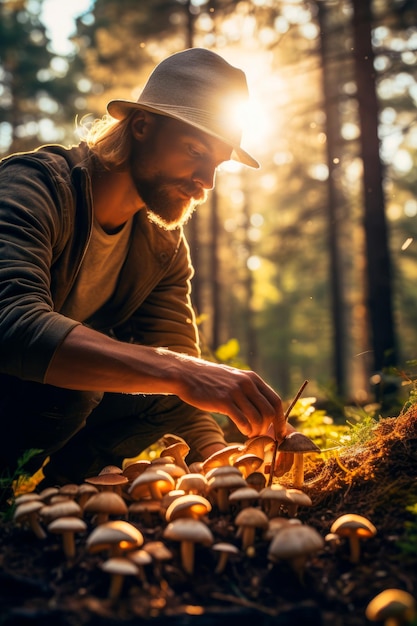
x: 119, y: 109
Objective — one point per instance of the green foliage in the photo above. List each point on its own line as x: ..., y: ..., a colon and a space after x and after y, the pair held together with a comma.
x: 408, y: 545
x: 11, y: 481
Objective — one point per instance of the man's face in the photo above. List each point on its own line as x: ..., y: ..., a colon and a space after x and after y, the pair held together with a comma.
x: 173, y: 166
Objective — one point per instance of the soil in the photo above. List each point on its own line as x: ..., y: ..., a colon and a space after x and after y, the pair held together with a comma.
x: 376, y: 479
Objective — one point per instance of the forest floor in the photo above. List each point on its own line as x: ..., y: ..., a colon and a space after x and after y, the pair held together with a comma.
x: 378, y: 480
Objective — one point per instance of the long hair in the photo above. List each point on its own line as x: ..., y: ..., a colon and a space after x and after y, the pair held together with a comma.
x: 110, y: 141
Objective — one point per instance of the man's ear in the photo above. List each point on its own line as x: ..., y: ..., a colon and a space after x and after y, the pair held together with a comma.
x: 141, y: 123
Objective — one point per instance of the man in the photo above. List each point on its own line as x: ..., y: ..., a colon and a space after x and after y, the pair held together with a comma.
x: 99, y: 352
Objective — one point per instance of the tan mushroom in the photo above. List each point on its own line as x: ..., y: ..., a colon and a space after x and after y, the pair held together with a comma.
x: 256, y: 480
x: 188, y: 532
x: 247, y: 463
x: 275, y: 524
x: 249, y: 521
x: 298, y: 444
x: 140, y: 558
x: 67, y: 527
x: 243, y: 497
x: 221, y: 457
x: 178, y: 451
x: 118, y: 568
x: 221, y: 485
x: 28, y: 512
x: 394, y: 607
x: 298, y: 498
x: 146, y: 511
x: 108, y: 482
x: 134, y: 469
x: 114, y: 537
x: 188, y: 505
x: 105, y: 504
x: 65, y: 508
x: 354, y: 527
x: 85, y: 491
x: 225, y: 550
x: 193, y: 483
x: 294, y: 544
x: 273, y: 498
x: 153, y: 482
x: 159, y: 553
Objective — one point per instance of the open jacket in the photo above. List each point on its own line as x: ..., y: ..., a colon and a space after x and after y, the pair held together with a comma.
x: 46, y: 220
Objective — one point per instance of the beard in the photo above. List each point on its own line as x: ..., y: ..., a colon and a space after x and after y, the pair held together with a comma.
x: 170, y: 203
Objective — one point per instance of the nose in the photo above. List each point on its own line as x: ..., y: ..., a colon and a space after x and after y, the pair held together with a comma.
x: 205, y: 175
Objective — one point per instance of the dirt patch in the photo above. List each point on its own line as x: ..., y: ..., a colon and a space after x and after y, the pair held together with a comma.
x: 377, y: 479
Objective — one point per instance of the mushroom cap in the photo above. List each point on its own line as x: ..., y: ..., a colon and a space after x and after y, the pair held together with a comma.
x: 256, y: 480
x: 139, y: 557
x: 25, y: 509
x: 120, y: 565
x: 244, y: 493
x: 248, y: 463
x: 65, y: 508
x: 188, y: 505
x: 391, y: 603
x: 134, y: 469
x: 107, y: 480
x: 112, y: 533
x: 188, y: 529
x: 276, y: 524
x: 224, y: 546
x: 351, y: 523
x: 67, y: 524
x: 70, y: 490
x: 297, y: 442
x: 298, y: 497
x: 192, y: 482
x: 168, y: 465
x: 27, y: 497
x: 141, y: 484
x: 180, y: 448
x: 259, y: 445
x: 221, y: 457
x: 250, y: 516
x: 106, y: 502
x: 222, y: 470
x: 110, y: 469
x: 293, y: 541
x: 158, y: 550
x: 226, y: 481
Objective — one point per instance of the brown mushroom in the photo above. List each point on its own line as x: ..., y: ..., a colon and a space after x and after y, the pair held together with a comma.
x: 29, y: 512
x: 178, y: 451
x: 394, y: 607
x: 105, y: 504
x: 225, y: 549
x: 273, y: 498
x: 249, y: 521
x: 114, y: 537
x: 354, y: 527
x: 247, y: 463
x: 294, y: 544
x: 67, y: 527
x: 155, y: 482
x: 188, y: 532
x: 118, y: 568
x: 298, y: 498
x: 193, y: 483
x: 188, y: 505
x: 299, y: 445
x: 221, y: 485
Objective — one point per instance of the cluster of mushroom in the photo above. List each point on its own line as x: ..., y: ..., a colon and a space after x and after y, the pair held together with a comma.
x: 119, y: 506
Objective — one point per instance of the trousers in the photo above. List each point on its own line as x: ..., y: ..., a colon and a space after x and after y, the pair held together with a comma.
x: 82, y: 431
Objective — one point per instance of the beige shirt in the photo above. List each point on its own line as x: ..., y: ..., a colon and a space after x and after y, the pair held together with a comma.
x: 99, y: 272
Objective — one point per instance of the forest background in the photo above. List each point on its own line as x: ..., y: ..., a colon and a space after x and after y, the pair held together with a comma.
x: 306, y: 268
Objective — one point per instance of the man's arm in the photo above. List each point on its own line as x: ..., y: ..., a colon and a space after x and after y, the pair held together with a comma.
x: 88, y: 360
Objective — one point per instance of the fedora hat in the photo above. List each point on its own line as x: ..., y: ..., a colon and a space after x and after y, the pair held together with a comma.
x: 198, y: 87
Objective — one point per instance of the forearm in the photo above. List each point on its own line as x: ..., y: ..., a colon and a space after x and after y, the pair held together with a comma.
x: 89, y: 360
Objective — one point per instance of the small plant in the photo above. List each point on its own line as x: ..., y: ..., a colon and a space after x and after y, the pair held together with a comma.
x: 10, y: 483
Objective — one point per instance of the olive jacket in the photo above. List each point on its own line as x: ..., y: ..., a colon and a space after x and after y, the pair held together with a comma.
x: 46, y: 219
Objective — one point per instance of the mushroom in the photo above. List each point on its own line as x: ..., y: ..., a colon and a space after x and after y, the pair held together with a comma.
x: 225, y: 549
x: 297, y: 444
x: 155, y: 483
x: 104, y: 504
x: 108, y: 482
x: 134, y: 469
x: 115, y: 537
x: 221, y: 485
x: 294, y: 544
x: 250, y: 520
x: 256, y: 480
x: 67, y: 527
x: 188, y: 532
x: 275, y: 524
x: 189, y: 505
x: 244, y: 496
x: 247, y: 463
x: 273, y: 498
x: 394, y: 607
x: 146, y: 511
x: 354, y: 527
x: 29, y: 512
x: 193, y: 483
x: 118, y: 568
x: 85, y: 491
x: 221, y: 457
x: 178, y: 451
x: 65, y: 508
x: 140, y: 558
x: 298, y: 498
x: 159, y: 553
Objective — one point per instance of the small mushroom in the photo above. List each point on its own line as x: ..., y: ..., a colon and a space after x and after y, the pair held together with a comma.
x: 29, y: 512
x: 108, y: 482
x: 193, y: 483
x: 273, y: 498
x: 221, y: 485
x: 354, y: 527
x: 298, y: 498
x: 221, y: 457
x: 105, y: 504
x: 244, y: 496
x: 67, y: 527
x: 224, y: 549
x: 140, y: 558
x: 159, y: 553
x: 188, y: 532
x: 118, y: 568
x: 394, y: 607
x: 294, y: 544
x: 178, y: 451
x: 250, y: 520
x: 114, y: 537
x: 189, y: 505
x: 155, y: 483
x: 299, y: 445
x: 256, y: 480
x: 247, y: 463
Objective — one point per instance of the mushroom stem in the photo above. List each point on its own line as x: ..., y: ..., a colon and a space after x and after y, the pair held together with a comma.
x: 68, y: 544
x: 298, y: 470
x: 248, y: 536
x: 221, y: 563
x: 355, y: 549
x: 116, y: 584
x: 187, y: 556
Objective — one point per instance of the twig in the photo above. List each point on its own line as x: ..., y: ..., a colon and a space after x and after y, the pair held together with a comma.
x: 286, y: 415
x: 243, y: 602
